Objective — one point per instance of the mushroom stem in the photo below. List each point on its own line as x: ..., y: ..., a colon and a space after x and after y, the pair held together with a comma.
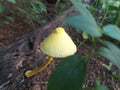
x: 30, y: 73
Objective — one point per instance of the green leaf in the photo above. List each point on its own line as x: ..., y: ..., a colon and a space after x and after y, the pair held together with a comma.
x: 115, y: 3
x: 9, y: 18
x: 101, y: 87
x: 22, y: 10
x: 116, y: 75
x: 112, y: 31
x: 83, y: 10
x: 11, y: 1
x: 97, y: 82
x: 85, y: 36
x: 84, y: 23
x: 69, y: 74
x: 112, y: 52
x: 40, y: 6
x: 107, y: 67
x: 80, y: 7
x: 1, y: 7
x: 4, y: 22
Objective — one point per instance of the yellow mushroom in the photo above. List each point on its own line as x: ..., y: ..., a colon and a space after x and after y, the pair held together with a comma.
x: 58, y: 44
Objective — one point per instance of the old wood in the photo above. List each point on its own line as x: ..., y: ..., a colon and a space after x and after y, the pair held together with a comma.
x: 25, y: 54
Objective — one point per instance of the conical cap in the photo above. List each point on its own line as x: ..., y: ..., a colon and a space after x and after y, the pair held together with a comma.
x: 58, y: 44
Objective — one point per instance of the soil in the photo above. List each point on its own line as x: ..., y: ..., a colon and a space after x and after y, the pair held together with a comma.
x: 9, y: 35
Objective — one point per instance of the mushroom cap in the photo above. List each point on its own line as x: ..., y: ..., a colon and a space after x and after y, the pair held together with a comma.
x: 58, y: 44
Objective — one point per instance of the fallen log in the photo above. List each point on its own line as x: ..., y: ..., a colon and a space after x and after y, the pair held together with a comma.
x: 25, y: 54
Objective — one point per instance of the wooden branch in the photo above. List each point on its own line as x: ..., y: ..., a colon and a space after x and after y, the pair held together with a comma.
x: 25, y: 54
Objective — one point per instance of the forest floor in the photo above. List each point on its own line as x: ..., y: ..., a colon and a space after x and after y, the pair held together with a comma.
x: 9, y: 35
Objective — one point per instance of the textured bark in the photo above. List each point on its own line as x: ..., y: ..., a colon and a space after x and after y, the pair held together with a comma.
x: 25, y: 54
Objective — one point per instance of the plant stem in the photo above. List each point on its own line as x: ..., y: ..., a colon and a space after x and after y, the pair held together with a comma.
x: 118, y: 18
x: 105, y: 16
x: 89, y: 55
x: 56, y: 5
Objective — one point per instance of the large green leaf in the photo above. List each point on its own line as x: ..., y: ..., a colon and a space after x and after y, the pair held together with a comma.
x: 1, y: 7
x: 84, y: 23
x: 80, y: 7
x: 112, y: 31
x: 69, y: 74
x: 112, y: 52
x: 11, y: 1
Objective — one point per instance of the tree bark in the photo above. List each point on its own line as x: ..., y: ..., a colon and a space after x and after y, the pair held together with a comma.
x: 25, y: 54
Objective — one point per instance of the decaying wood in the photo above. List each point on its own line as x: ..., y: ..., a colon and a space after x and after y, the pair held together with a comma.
x: 25, y: 54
